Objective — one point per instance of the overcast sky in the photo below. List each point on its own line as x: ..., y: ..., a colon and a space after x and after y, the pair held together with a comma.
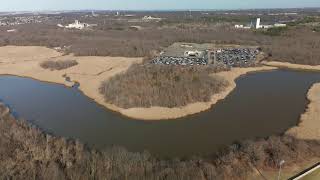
x: 35, y: 5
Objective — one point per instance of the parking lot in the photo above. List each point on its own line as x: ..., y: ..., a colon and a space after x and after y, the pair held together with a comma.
x: 233, y: 57
x: 183, y: 61
x: 237, y: 57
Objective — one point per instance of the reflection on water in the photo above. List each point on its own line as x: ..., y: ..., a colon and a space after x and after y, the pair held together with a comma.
x: 263, y: 104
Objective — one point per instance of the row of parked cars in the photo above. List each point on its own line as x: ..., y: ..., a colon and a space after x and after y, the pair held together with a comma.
x: 237, y: 57
x: 234, y: 57
x: 184, y: 61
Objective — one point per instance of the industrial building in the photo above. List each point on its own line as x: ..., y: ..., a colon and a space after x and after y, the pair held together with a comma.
x: 258, y: 25
x: 150, y: 18
x: 77, y: 25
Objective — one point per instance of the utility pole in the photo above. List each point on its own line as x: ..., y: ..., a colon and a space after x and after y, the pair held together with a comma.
x: 280, y: 164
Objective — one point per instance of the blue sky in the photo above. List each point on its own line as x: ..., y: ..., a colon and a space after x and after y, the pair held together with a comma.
x: 33, y: 5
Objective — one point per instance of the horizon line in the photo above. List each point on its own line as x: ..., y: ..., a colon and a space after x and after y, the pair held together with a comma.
x: 148, y: 10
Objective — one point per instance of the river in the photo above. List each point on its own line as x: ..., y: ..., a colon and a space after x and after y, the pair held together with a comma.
x: 263, y: 104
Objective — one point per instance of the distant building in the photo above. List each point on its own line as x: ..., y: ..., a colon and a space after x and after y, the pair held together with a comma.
x: 129, y: 15
x: 94, y: 14
x: 60, y: 25
x: 77, y: 25
x: 237, y: 26
x: 242, y: 27
x: 3, y: 24
x: 258, y: 26
x: 193, y: 54
x: 11, y: 30
x: 150, y: 18
x: 136, y: 28
x: 280, y: 25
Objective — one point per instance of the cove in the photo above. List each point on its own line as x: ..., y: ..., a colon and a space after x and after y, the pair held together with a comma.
x: 263, y: 104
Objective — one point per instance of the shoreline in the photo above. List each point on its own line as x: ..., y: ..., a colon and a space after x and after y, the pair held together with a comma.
x: 92, y: 71
x: 160, y: 113
x: 291, y: 66
x: 163, y: 113
x: 308, y: 127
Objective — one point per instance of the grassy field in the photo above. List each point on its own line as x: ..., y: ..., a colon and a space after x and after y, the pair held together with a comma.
x: 313, y: 176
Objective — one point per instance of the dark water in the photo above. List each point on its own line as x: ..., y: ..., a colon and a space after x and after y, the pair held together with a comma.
x: 263, y: 104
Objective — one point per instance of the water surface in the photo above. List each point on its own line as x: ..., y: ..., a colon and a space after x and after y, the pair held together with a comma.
x: 263, y: 104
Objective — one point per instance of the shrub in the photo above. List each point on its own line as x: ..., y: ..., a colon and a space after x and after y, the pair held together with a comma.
x: 316, y: 28
x: 58, y: 65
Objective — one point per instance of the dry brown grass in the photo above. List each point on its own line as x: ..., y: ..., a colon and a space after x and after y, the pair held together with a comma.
x: 58, y: 65
x: 159, y: 85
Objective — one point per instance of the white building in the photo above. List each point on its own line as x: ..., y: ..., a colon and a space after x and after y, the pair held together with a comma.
x: 193, y: 53
x: 280, y: 25
x: 258, y: 26
x: 150, y: 18
x: 60, y: 25
x: 94, y: 14
x: 11, y: 30
x: 237, y: 26
x: 77, y: 25
x: 2, y: 24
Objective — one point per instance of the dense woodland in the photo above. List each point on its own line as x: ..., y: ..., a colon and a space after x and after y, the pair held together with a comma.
x: 165, y: 86
x: 28, y: 153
